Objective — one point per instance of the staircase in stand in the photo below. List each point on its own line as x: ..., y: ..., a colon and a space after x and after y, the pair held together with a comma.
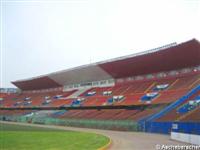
x: 78, y: 92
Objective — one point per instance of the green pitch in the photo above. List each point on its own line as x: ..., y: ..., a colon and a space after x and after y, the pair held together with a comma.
x: 15, y: 137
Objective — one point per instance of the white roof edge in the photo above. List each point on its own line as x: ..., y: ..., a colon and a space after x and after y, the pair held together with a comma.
x: 106, y: 61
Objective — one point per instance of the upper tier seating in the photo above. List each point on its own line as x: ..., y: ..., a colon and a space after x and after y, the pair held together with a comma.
x: 37, y: 99
x: 2, y: 95
x: 185, y: 82
x: 132, y: 93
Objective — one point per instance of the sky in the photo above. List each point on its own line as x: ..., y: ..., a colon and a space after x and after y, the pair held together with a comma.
x: 43, y: 36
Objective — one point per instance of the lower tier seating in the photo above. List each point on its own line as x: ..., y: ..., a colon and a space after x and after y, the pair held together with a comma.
x: 193, y: 116
x: 176, y: 114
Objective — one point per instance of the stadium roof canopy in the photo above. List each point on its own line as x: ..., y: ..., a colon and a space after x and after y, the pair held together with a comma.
x: 170, y: 57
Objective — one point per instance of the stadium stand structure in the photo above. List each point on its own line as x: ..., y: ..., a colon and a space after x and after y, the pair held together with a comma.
x: 149, y: 91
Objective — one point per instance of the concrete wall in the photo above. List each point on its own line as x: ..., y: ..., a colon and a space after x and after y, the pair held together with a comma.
x: 184, y: 137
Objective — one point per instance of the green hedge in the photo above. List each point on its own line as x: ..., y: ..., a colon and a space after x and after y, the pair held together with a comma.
x: 123, y: 125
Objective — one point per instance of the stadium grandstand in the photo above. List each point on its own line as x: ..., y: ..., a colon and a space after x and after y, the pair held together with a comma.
x: 155, y: 91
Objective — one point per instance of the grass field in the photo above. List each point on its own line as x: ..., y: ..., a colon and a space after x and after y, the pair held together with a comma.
x: 15, y: 137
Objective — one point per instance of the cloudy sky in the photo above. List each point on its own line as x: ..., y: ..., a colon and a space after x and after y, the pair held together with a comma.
x: 44, y: 36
